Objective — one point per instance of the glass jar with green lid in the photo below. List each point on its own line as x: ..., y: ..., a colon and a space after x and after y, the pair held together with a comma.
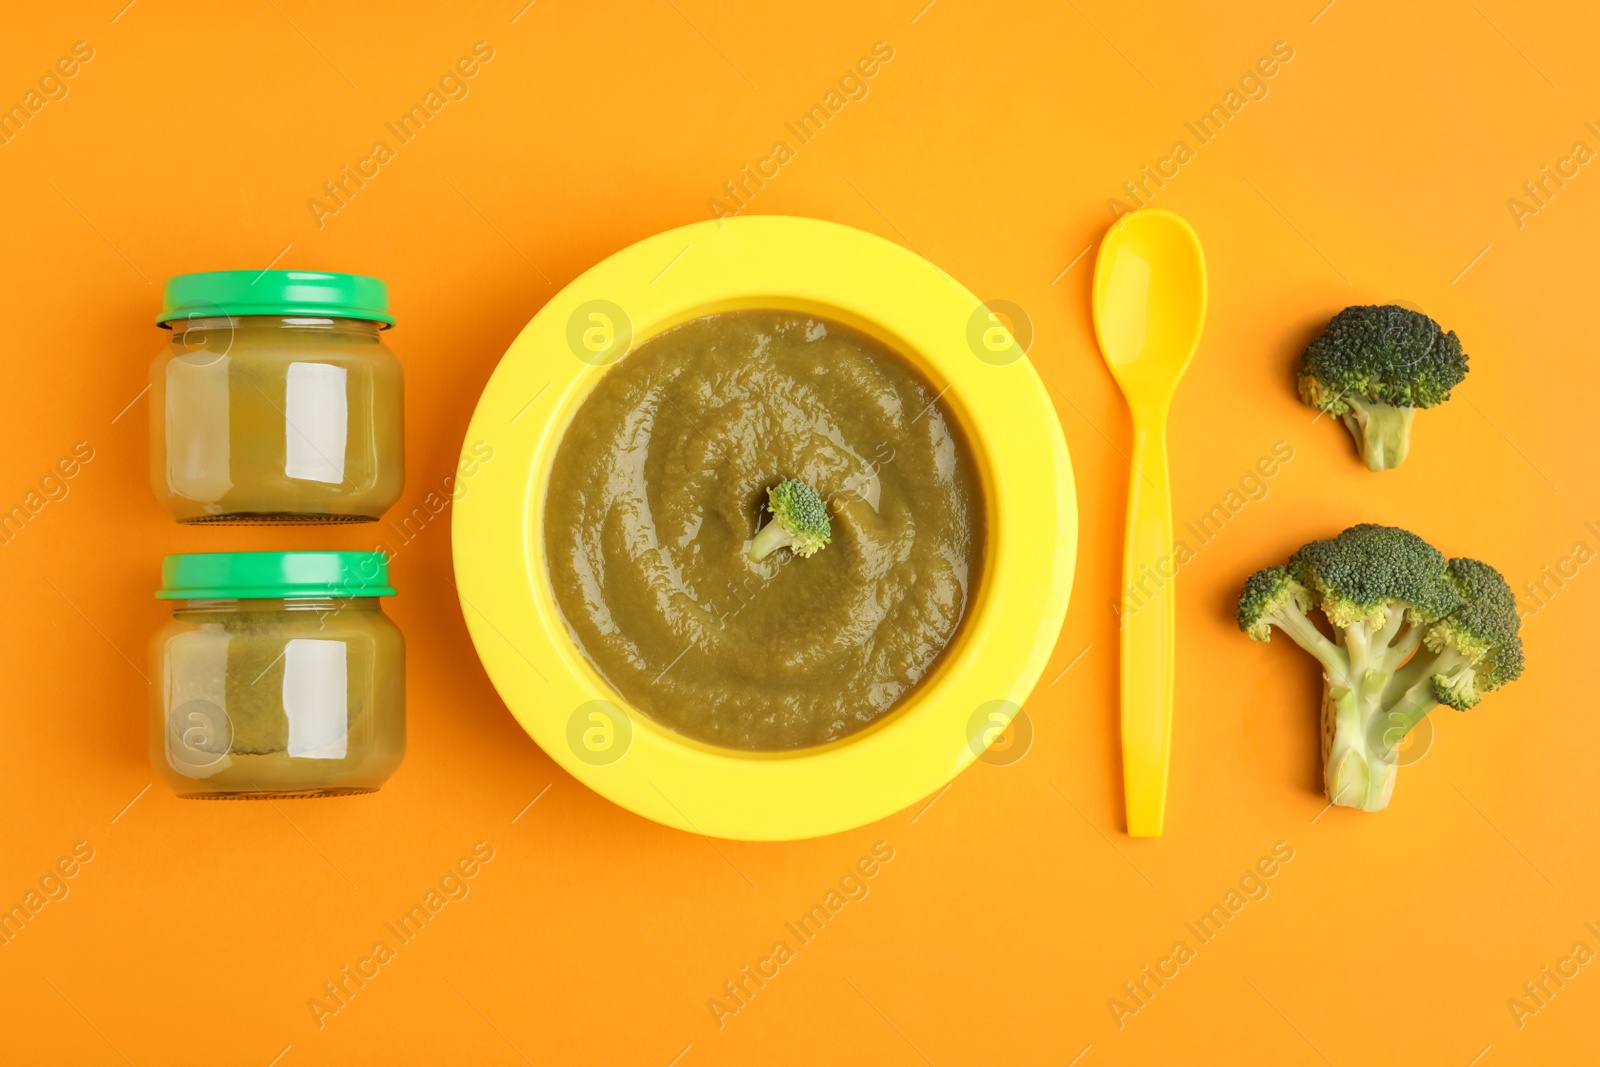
x: 276, y: 400
x: 278, y: 675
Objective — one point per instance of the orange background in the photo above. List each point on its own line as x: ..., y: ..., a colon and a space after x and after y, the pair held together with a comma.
x: 1377, y: 169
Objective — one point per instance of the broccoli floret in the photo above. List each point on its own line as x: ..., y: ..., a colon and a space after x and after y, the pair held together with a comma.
x: 1373, y: 366
x: 1272, y: 597
x: 1476, y: 648
x: 799, y: 521
x: 1411, y: 630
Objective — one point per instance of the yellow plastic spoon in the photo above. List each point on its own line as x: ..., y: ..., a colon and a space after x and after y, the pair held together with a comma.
x: 1149, y: 306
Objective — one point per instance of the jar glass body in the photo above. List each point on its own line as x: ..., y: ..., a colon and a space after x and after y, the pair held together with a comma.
x: 276, y: 419
x: 277, y: 698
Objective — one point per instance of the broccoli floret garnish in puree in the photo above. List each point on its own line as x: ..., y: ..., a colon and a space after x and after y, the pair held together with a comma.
x: 1374, y: 367
x: 1411, y: 630
x: 799, y: 521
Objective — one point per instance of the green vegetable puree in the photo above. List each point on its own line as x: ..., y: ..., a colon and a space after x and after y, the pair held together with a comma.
x: 661, y: 481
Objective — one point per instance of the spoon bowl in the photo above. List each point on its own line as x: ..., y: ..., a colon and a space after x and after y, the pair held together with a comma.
x: 1149, y: 307
x: 1149, y: 303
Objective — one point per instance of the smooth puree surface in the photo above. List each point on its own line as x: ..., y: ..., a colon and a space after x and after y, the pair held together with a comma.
x: 661, y: 480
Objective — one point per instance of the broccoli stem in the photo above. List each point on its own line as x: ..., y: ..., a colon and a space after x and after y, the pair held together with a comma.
x: 1366, y: 715
x: 1294, y: 622
x: 1370, y: 707
x: 1401, y: 649
x: 1382, y: 431
x: 1358, y: 765
x: 771, y: 537
x: 1418, y: 674
x: 1412, y: 707
x: 1394, y: 618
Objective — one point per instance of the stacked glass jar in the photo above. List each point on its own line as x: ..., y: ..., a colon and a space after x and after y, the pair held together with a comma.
x: 276, y: 403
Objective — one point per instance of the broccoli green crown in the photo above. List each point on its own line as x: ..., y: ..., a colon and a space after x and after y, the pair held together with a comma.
x: 1369, y: 570
x: 1484, y: 631
x: 800, y: 511
x: 1385, y: 354
x: 1266, y: 593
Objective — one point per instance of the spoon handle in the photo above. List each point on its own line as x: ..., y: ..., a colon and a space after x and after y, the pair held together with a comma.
x: 1148, y: 569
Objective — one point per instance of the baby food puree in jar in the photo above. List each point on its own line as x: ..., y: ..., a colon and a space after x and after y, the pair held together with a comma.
x: 277, y: 675
x: 276, y: 400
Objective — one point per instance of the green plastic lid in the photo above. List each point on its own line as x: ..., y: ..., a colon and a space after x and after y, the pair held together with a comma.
x: 275, y: 292
x: 271, y: 575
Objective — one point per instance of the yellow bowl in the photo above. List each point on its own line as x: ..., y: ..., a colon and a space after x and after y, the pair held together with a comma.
x: 849, y: 276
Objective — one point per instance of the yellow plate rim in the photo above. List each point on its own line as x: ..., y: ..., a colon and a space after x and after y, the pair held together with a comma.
x: 868, y: 282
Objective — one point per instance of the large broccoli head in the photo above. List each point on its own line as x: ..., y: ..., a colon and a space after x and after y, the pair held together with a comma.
x: 1373, y: 366
x: 1410, y: 631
